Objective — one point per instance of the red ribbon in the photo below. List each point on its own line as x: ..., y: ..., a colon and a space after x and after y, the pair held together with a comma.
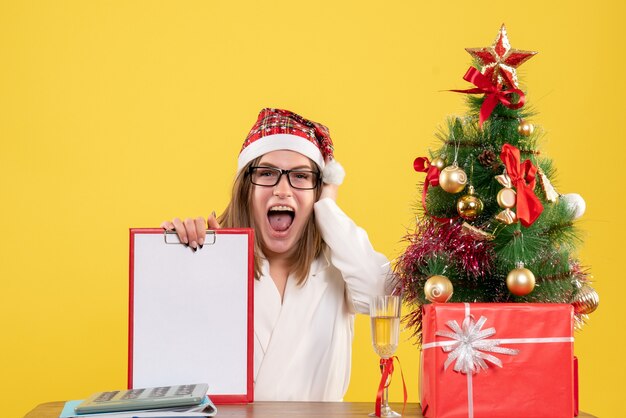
x: 386, y: 366
x: 528, y: 206
x: 493, y: 93
x: 422, y: 165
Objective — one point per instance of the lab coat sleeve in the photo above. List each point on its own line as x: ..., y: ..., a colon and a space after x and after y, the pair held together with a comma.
x: 365, y: 271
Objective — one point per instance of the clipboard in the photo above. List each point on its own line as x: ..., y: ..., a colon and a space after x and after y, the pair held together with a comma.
x: 191, y: 314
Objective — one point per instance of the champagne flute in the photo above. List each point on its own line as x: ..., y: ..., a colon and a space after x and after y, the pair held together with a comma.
x: 385, y: 319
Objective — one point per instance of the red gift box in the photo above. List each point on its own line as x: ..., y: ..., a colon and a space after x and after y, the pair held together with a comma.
x: 491, y: 360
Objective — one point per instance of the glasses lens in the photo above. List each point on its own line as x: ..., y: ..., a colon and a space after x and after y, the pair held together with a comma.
x: 303, y: 179
x: 265, y: 176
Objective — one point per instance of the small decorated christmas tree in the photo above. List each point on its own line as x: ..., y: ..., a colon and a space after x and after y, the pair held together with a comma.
x: 492, y: 227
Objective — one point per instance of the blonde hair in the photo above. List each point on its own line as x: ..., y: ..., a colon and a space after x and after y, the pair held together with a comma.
x: 238, y: 214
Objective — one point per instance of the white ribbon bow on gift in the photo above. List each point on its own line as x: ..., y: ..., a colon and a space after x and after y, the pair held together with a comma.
x: 472, y: 346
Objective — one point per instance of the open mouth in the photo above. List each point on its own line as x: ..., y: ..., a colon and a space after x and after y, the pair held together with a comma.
x: 280, y: 217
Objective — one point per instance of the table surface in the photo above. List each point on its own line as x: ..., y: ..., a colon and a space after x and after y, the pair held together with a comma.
x: 276, y: 409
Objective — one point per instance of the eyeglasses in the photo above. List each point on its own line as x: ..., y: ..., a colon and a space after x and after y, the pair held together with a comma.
x: 270, y: 176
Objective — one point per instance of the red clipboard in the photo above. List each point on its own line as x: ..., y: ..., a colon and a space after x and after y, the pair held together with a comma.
x: 191, y: 314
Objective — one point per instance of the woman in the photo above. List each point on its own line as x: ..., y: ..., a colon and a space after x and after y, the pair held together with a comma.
x: 314, y: 267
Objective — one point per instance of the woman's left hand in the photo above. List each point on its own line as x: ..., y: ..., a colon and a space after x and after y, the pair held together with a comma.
x: 333, y: 175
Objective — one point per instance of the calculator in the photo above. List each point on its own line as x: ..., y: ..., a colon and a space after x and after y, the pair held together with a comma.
x: 144, y: 398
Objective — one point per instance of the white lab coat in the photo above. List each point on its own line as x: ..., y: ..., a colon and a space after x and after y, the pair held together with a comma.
x: 303, y: 346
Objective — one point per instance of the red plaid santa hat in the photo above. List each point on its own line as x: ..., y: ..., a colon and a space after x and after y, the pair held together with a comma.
x: 278, y: 129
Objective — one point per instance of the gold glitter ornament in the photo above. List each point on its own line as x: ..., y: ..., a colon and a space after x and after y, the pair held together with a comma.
x: 525, y: 128
x: 452, y: 179
x: 439, y: 162
x: 520, y: 280
x: 586, y: 300
x: 438, y: 289
x: 469, y: 206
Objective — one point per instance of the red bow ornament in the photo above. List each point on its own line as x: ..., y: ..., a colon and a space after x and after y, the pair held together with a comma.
x: 528, y: 206
x: 493, y: 93
x: 422, y: 165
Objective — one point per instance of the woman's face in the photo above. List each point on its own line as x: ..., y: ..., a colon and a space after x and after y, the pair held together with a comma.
x: 281, y: 212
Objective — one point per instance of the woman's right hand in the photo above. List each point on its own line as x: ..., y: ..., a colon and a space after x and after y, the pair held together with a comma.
x: 192, y: 231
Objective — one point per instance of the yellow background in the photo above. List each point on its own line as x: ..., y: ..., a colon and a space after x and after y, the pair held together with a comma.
x: 118, y: 114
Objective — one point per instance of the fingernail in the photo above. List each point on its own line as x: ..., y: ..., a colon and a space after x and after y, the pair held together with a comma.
x: 201, y: 242
x: 185, y: 240
x: 194, y: 249
x: 201, y: 246
x: 194, y: 245
x: 213, y: 214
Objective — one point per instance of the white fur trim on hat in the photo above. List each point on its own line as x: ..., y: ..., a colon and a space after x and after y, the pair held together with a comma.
x: 333, y: 173
x: 280, y: 142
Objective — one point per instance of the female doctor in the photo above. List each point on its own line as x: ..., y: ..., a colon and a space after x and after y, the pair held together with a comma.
x: 314, y: 267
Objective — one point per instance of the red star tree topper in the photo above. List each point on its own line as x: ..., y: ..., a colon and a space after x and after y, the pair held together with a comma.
x: 499, y: 58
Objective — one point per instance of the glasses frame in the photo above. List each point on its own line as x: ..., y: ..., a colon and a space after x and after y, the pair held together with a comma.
x: 318, y: 177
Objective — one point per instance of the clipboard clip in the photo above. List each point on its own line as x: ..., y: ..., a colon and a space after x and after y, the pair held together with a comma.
x: 171, y: 237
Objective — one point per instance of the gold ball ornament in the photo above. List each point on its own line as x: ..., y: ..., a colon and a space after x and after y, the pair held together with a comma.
x: 469, y: 206
x: 525, y: 128
x: 520, y: 280
x: 452, y: 179
x: 439, y: 162
x: 586, y: 300
x: 438, y: 289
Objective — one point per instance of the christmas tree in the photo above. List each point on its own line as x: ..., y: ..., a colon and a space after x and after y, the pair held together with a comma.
x: 491, y: 226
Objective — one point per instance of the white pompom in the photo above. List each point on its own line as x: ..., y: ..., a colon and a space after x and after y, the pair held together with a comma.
x: 333, y: 173
x: 575, y: 203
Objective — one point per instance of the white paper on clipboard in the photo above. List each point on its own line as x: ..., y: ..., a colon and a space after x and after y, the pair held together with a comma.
x: 191, y: 313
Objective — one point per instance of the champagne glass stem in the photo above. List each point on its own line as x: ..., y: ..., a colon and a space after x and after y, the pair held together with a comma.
x: 384, y: 408
x: 385, y: 405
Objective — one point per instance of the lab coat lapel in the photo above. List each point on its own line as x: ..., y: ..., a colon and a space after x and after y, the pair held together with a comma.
x: 267, y: 307
x: 289, y: 330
